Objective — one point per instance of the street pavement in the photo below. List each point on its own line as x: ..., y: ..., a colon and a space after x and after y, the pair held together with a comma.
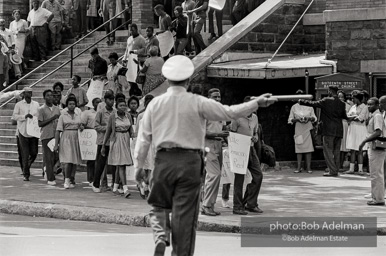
x: 28, y: 236
x: 283, y: 194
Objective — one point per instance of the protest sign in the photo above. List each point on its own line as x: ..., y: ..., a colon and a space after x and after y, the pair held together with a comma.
x: 94, y: 91
x: 132, y: 67
x: 33, y: 128
x: 51, y: 144
x: 87, y: 144
x: 226, y: 175
x: 239, y: 146
x: 217, y: 4
x: 166, y: 42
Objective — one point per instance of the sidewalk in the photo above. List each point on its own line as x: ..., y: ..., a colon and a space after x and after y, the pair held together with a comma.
x: 283, y: 194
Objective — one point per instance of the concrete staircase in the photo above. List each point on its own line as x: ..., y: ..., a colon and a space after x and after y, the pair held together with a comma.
x: 8, y: 146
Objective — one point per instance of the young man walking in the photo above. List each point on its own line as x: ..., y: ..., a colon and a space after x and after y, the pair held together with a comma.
x: 47, y: 120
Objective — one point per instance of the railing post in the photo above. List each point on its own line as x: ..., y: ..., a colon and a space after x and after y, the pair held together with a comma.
x: 72, y: 56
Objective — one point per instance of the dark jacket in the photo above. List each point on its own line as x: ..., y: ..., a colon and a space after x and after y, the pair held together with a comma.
x: 332, y: 113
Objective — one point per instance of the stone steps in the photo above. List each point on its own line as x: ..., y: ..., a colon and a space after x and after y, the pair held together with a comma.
x: 12, y: 147
x: 14, y: 155
x: 15, y: 162
x: 8, y: 139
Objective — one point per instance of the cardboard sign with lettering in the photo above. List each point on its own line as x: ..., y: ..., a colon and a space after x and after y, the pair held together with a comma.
x: 94, y: 91
x: 166, y: 42
x: 87, y: 144
x: 33, y: 128
x: 239, y: 146
x: 217, y: 4
x: 228, y: 177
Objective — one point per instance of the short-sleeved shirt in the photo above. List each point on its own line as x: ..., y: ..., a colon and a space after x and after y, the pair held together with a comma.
x: 101, y: 120
x: 45, y: 112
x: 376, y: 122
x: 154, y: 65
x: 247, y: 126
x: 88, y: 118
x: 80, y: 95
x: 68, y: 122
x: 152, y: 41
x: 200, y: 3
x: 98, y: 66
x: 39, y: 17
x: 164, y: 22
x: 55, y: 7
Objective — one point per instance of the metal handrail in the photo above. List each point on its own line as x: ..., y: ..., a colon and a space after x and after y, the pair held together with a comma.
x: 63, y: 51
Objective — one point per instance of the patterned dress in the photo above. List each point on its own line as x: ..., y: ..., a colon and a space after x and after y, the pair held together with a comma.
x: 120, y: 154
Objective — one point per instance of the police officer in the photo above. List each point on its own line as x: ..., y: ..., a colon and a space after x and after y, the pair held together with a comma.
x: 175, y: 123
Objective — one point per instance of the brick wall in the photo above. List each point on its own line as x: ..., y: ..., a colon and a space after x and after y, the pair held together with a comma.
x: 143, y: 14
x: 353, y: 41
x: 351, y: 4
x: 317, y: 7
x: 267, y: 36
x: 7, y: 6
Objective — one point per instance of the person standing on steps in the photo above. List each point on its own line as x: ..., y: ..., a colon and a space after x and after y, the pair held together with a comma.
x: 80, y: 7
x: 200, y: 10
x: 56, y: 24
x: 24, y: 110
x: 79, y: 92
x: 188, y: 5
x: 174, y: 123
x: 180, y: 25
x: 47, y: 120
x: 332, y: 113
x: 9, y: 38
x: 218, y: 14
x: 97, y: 65
x: 38, y: 19
x: 213, y: 140
x: 107, y: 10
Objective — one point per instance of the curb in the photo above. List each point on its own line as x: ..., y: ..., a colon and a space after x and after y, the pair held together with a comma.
x: 69, y: 212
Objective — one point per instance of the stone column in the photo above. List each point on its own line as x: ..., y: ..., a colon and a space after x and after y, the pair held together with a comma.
x: 143, y: 14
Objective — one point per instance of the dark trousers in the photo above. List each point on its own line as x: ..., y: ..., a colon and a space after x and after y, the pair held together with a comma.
x: 218, y: 21
x: 81, y: 19
x: 49, y: 160
x: 225, y: 191
x: 20, y: 154
x: 331, y: 152
x: 253, y: 188
x: 175, y: 187
x: 237, y: 16
x: 100, y: 164
x: 39, y: 42
x: 197, y: 37
x: 90, y: 170
x: 111, y: 25
x: 29, y: 152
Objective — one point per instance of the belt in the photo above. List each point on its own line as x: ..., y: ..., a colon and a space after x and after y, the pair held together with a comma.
x: 122, y: 131
x: 185, y: 150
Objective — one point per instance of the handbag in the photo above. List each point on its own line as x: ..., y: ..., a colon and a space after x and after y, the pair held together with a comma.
x: 141, y: 77
x: 379, y: 143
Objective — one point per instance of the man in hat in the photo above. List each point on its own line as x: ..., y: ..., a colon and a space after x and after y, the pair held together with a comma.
x: 38, y: 19
x: 24, y: 110
x: 175, y: 124
x: 9, y: 39
x: 332, y: 113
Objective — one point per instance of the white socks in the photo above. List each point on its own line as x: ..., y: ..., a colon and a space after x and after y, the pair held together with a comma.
x: 125, y: 188
x: 352, y: 167
x: 360, y: 167
x: 115, y: 188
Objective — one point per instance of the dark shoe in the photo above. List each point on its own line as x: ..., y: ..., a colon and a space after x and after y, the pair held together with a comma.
x: 373, y: 203
x: 141, y: 192
x: 59, y: 170
x: 327, y: 174
x: 207, y: 211
x: 216, y: 212
x: 127, y: 194
x: 239, y: 212
x: 212, y: 36
x: 159, y: 249
x: 26, y: 179
x: 254, y: 209
x: 116, y: 192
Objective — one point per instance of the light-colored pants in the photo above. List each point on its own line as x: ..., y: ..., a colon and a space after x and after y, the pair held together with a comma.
x: 56, y: 36
x: 213, y: 174
x: 377, y: 160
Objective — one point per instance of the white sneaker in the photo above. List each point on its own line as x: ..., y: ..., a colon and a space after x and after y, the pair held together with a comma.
x: 66, y: 185
x: 225, y: 204
x: 71, y: 185
x: 368, y: 196
x: 90, y: 184
x: 51, y: 183
x: 96, y: 190
x: 120, y: 191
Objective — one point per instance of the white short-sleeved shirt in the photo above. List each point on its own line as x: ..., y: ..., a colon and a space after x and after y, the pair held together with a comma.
x: 39, y: 17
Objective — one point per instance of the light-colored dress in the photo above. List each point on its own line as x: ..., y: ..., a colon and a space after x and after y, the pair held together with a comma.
x: 20, y: 38
x: 92, y: 9
x: 111, y: 75
x: 69, y: 150
x: 357, y: 131
x: 302, y: 137
x: 120, y: 142
x: 345, y: 128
